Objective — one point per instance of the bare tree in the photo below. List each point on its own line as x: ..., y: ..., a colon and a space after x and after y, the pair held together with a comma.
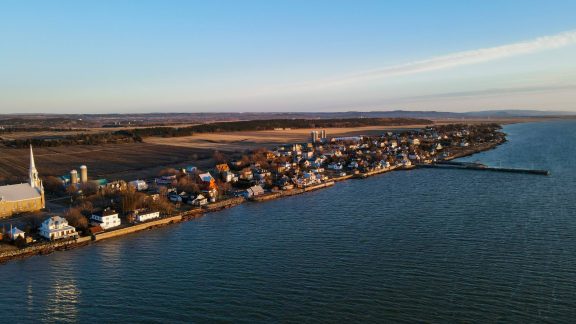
x: 75, y: 218
x: 168, y: 171
x: 219, y: 157
x: 54, y: 185
x: 71, y: 189
x: 131, y: 200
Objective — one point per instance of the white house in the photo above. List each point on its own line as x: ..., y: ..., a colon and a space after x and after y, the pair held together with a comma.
x: 106, y: 219
x: 229, y: 176
x: 384, y: 164
x: 206, y: 177
x: 15, y: 233
x: 414, y: 156
x: 56, y: 227
x: 146, y: 215
x: 335, y: 166
x: 139, y: 185
x: 254, y: 191
x: 166, y: 180
x: 200, y: 200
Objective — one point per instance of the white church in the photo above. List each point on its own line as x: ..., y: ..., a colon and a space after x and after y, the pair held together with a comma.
x: 24, y: 197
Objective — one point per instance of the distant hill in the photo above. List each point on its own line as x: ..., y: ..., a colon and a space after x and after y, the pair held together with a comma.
x: 166, y: 119
x: 519, y: 113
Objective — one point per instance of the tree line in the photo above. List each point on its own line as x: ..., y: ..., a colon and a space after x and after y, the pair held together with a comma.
x: 136, y: 134
x: 270, y: 124
x: 79, y: 139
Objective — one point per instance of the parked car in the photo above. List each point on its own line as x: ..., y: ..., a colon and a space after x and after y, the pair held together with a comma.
x: 174, y: 197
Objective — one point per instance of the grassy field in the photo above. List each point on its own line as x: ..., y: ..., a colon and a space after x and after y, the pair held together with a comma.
x: 144, y: 160
x: 55, y: 134
x: 114, y: 161
x: 239, y: 141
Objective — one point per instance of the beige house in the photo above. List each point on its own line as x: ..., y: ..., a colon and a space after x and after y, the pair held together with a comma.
x: 24, y: 197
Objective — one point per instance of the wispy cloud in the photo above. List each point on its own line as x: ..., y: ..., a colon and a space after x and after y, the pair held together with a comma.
x: 453, y: 60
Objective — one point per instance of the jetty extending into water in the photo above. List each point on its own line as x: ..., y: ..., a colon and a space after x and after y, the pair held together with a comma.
x: 353, y: 172
x: 480, y: 167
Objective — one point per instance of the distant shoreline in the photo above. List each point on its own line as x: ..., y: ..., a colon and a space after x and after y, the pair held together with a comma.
x: 147, y: 158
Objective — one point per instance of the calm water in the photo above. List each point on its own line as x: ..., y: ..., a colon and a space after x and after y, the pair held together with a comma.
x: 425, y: 245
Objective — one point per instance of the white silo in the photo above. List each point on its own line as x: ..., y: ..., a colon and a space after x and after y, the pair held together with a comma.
x: 314, y: 136
x: 73, y: 177
x: 83, y: 174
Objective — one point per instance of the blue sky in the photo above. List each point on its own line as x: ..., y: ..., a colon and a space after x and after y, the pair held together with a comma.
x: 201, y: 56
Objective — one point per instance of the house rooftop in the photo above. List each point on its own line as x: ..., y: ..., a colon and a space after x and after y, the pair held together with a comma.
x: 56, y: 219
x: 106, y: 212
x: 206, y: 177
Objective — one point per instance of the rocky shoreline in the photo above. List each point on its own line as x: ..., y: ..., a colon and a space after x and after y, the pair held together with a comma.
x: 50, y: 247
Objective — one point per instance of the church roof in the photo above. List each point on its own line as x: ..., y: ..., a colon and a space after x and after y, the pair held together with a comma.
x: 18, y: 192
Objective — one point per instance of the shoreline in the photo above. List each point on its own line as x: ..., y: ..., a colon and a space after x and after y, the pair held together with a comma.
x: 50, y: 247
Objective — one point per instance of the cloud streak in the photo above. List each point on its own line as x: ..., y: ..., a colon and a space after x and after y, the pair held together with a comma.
x: 454, y: 60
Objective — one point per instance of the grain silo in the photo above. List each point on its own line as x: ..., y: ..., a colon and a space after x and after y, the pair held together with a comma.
x: 314, y: 136
x: 83, y: 174
x: 73, y: 177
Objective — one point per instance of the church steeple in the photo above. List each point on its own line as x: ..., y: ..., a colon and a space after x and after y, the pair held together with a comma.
x: 33, y: 173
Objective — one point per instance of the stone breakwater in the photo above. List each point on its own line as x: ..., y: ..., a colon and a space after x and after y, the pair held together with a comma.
x: 43, y: 248
x: 291, y: 192
x: 49, y: 247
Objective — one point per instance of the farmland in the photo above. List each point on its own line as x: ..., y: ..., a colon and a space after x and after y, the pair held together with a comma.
x: 242, y: 140
x: 134, y: 160
x: 114, y: 161
x: 239, y: 141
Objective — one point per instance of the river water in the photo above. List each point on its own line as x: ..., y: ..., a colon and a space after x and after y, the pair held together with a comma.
x: 426, y: 245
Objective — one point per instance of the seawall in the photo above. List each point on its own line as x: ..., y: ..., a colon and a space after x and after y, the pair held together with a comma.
x: 44, y: 248
x: 49, y: 247
x: 137, y: 228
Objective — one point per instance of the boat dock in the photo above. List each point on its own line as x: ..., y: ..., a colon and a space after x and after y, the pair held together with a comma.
x: 480, y: 167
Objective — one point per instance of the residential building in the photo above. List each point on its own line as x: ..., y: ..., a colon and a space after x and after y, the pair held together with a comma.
x: 139, y: 185
x: 254, y: 191
x: 200, y: 200
x: 15, y: 233
x: 222, y: 167
x: 107, y: 219
x: 207, y: 180
x: 142, y: 216
x: 56, y: 227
